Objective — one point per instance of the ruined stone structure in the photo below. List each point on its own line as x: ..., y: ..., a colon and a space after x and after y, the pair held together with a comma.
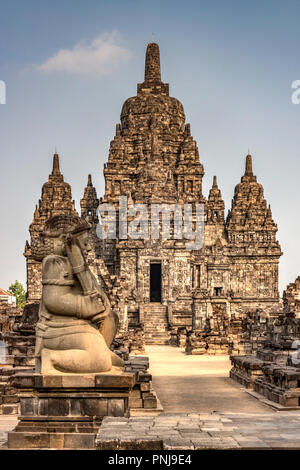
x: 56, y: 199
x: 158, y: 283
x: 154, y: 159
x: 271, y: 366
x: 291, y: 298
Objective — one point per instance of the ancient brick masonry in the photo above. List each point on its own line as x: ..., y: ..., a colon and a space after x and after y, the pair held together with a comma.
x: 8, y: 316
x: 252, y: 241
x: 269, y: 369
x: 291, y: 298
x: 56, y: 199
x: 10, y: 360
x: 154, y: 159
x: 158, y: 283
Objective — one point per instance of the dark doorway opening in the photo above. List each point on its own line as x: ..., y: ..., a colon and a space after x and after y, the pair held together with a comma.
x: 155, y: 282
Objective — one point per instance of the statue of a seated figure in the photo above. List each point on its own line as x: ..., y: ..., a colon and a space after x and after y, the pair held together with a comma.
x: 76, y: 325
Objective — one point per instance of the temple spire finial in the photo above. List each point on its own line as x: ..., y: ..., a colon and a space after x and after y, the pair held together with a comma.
x: 56, y: 169
x: 90, y: 183
x: 249, y: 170
x: 152, y: 63
x: 215, y: 184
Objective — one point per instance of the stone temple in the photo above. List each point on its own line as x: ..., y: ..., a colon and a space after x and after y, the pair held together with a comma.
x: 159, y: 284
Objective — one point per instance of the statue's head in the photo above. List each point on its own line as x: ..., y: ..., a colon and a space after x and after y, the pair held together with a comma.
x: 59, y: 230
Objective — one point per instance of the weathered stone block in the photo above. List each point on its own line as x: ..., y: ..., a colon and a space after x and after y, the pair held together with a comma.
x: 94, y: 407
x: 107, y: 444
x: 145, y: 387
x: 125, y: 380
x: 116, y: 407
x: 28, y: 440
x: 135, y: 402
x: 79, y: 441
x: 75, y: 406
x: 28, y: 406
x: 150, y: 403
x: 56, y: 441
x: 58, y: 407
x: 77, y: 381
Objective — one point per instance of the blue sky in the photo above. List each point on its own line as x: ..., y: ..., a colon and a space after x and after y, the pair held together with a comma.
x: 230, y: 63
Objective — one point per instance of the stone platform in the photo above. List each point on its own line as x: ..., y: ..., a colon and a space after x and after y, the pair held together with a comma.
x: 65, y: 411
x: 202, y: 431
x: 280, y: 384
x: 246, y: 369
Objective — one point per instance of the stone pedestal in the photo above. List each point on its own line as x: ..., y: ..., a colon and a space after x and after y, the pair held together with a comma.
x: 65, y: 411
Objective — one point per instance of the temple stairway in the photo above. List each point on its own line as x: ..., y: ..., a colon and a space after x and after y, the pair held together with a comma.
x: 156, y: 325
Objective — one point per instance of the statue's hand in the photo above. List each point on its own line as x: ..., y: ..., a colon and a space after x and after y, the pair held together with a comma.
x: 97, y: 302
x: 94, y: 305
x: 74, y: 253
x: 99, y: 317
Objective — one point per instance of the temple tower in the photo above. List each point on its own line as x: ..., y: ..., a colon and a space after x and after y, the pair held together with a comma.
x: 56, y: 198
x: 252, y: 243
x: 154, y: 159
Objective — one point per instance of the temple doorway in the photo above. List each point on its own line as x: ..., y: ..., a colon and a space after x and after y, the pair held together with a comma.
x: 155, y: 282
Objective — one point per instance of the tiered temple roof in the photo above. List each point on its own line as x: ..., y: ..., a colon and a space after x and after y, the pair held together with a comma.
x: 153, y: 154
x: 56, y: 199
x: 215, y: 205
x: 250, y: 213
x: 90, y: 202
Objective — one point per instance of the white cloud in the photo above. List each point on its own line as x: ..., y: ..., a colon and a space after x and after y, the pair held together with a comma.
x: 98, y: 58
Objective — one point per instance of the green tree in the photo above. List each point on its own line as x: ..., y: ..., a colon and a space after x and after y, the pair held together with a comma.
x: 19, y: 292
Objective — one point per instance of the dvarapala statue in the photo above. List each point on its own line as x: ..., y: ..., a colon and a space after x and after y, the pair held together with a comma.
x: 76, y: 325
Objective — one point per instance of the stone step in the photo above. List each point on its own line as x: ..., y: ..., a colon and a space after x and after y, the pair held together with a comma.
x: 155, y: 312
x: 156, y: 335
x: 155, y: 330
x: 156, y: 308
x: 158, y: 341
x: 156, y: 324
x: 156, y: 338
x: 158, y: 330
x: 155, y: 319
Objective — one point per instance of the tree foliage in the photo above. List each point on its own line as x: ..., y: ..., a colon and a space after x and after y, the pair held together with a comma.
x: 19, y: 292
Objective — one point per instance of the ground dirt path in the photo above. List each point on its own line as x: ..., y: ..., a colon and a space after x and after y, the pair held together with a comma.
x: 200, y: 384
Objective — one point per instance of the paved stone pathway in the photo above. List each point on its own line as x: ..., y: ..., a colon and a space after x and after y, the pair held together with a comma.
x: 193, y: 431
x: 203, y: 409
x: 199, y: 384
